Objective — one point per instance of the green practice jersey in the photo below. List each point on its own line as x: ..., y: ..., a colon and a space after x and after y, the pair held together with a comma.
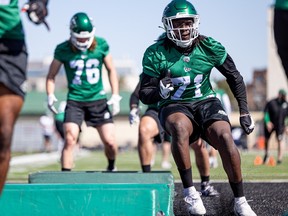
x: 10, y: 22
x: 83, y: 70
x: 281, y: 4
x: 190, y: 74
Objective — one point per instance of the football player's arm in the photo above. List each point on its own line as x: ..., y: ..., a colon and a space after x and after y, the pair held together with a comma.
x: 235, y: 82
x: 267, y: 121
x: 50, y: 78
x: 238, y: 88
x: 149, y: 89
x: 50, y: 84
x: 113, y: 79
x: 266, y: 113
x: 134, y: 106
x: 112, y: 74
x: 134, y: 98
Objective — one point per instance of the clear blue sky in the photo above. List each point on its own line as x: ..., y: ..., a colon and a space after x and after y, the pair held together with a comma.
x: 131, y: 26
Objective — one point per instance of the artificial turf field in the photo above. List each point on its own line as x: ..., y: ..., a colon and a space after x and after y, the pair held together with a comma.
x: 266, y: 199
x: 266, y: 187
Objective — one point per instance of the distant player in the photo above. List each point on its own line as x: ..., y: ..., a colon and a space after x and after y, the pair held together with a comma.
x: 48, y: 129
x: 83, y: 56
x: 275, y: 113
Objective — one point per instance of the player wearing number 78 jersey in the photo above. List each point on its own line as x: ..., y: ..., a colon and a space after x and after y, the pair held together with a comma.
x: 83, y: 56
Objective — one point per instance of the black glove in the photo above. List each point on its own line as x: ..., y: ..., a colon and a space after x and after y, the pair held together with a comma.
x: 247, y: 123
x: 36, y: 12
x: 166, y: 85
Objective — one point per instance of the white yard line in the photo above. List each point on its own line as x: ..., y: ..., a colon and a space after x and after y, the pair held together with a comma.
x: 42, y: 158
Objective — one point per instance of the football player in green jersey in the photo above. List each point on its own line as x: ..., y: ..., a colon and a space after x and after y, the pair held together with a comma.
x: 150, y: 130
x: 83, y: 56
x: 13, y: 63
x: 176, y: 74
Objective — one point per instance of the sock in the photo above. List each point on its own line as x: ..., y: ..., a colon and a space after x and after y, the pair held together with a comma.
x: 146, y: 168
x: 205, y: 179
x: 186, y: 177
x: 111, y: 164
x: 237, y: 189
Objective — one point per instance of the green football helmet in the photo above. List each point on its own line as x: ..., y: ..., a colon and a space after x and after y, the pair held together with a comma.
x: 82, y: 31
x: 181, y: 10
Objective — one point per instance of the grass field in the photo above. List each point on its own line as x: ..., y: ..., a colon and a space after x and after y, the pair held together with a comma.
x: 129, y: 161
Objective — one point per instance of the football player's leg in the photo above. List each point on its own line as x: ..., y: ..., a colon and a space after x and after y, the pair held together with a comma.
x: 10, y: 107
x: 148, y: 129
x: 202, y: 157
x: 71, y: 138
x: 219, y: 134
x: 267, y: 135
x: 107, y: 135
x: 180, y: 128
x: 202, y: 162
x: 166, y: 152
x: 281, y: 146
x: 48, y: 143
x: 213, y: 160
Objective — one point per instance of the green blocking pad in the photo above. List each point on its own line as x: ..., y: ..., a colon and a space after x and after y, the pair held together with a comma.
x: 128, y: 177
x: 90, y: 193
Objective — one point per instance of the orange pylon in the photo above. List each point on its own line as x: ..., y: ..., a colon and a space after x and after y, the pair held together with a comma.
x: 271, y: 161
x: 258, y: 161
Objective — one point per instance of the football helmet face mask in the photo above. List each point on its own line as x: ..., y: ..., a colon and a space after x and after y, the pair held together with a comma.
x: 82, y: 31
x: 181, y: 22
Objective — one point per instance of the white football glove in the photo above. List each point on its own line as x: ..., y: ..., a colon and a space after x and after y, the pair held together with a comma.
x: 134, y: 116
x: 166, y: 87
x: 115, y: 102
x: 51, y: 99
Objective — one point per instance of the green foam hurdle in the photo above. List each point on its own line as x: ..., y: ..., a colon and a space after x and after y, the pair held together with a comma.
x: 90, y: 193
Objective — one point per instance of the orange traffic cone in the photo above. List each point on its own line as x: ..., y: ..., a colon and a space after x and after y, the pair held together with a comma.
x: 271, y: 161
x: 258, y: 161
